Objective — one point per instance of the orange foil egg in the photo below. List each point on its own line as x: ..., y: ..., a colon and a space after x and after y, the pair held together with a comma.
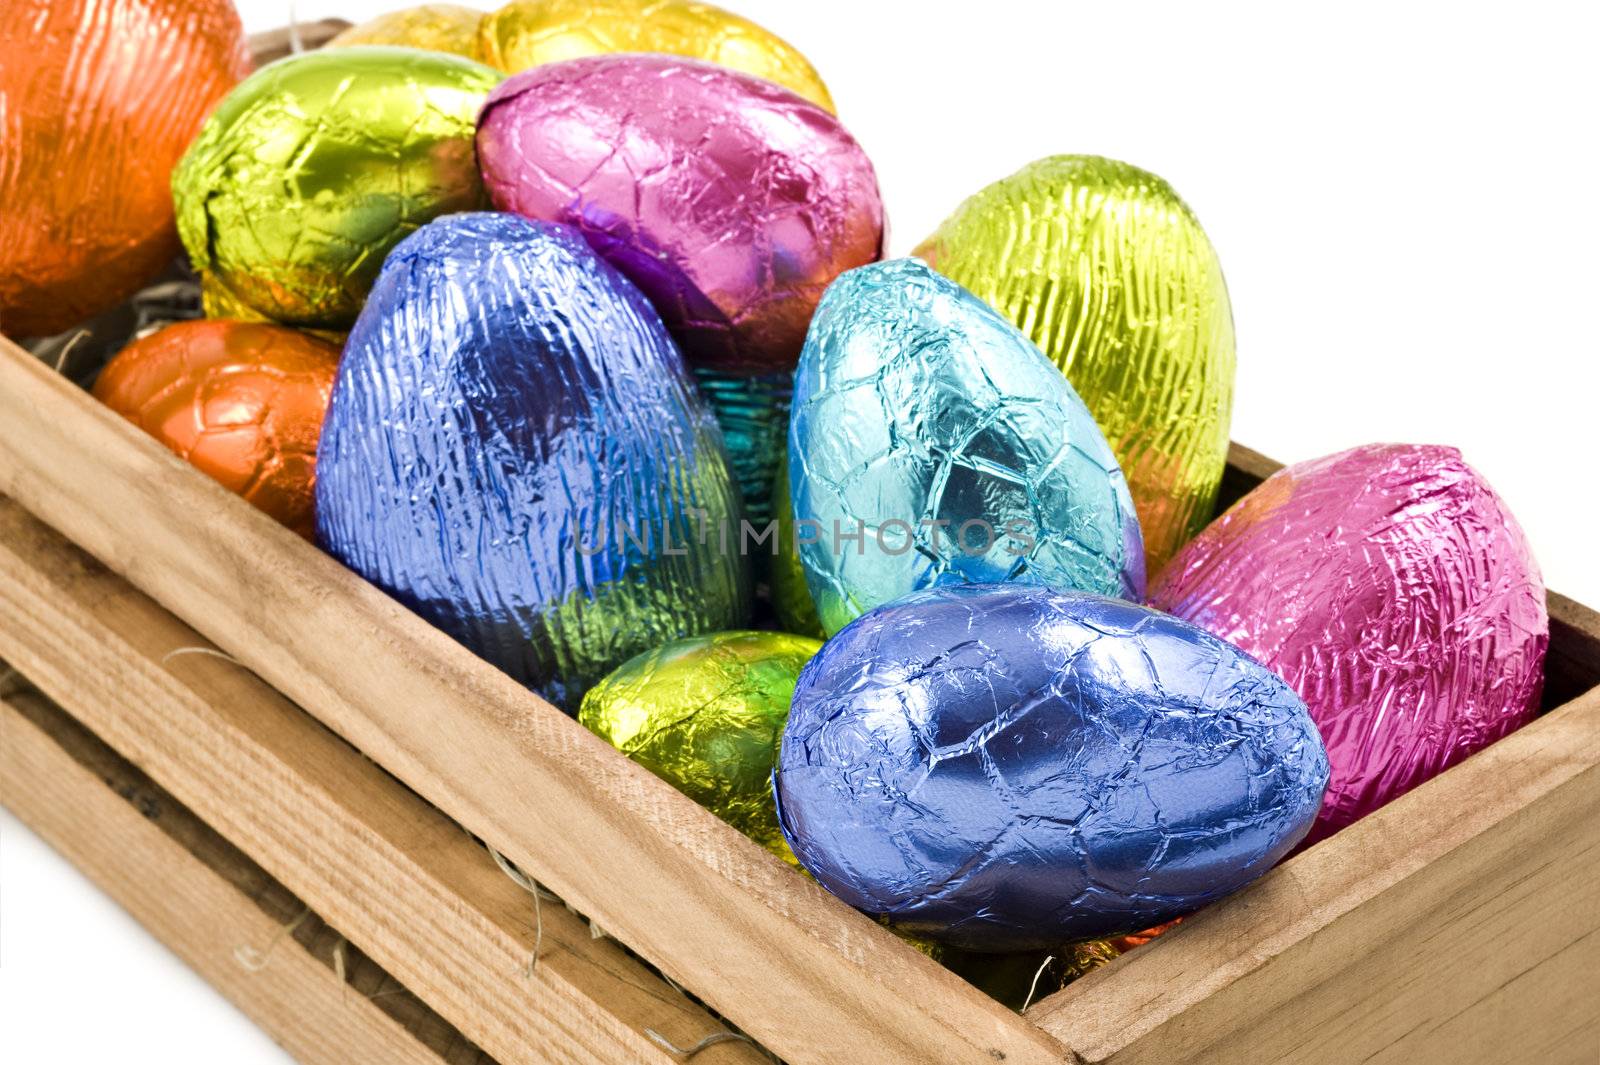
x: 98, y: 99
x: 242, y: 401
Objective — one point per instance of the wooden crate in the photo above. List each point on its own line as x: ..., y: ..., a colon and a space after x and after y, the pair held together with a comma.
x: 343, y: 761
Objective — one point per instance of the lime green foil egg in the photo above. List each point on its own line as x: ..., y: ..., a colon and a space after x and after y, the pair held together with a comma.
x: 706, y: 714
x: 1105, y: 268
x: 316, y: 166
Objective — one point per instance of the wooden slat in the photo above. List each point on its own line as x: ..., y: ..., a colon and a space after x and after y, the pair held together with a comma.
x: 404, y: 882
x: 207, y: 902
x: 1459, y: 923
x: 797, y: 969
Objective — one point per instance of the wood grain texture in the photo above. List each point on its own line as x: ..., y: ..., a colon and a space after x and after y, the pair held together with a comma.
x: 1460, y: 923
x: 810, y: 978
x: 404, y: 882
x: 208, y: 903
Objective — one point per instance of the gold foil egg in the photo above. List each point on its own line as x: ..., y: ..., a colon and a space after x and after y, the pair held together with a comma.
x: 706, y: 714
x: 1108, y: 271
x: 316, y: 166
x: 437, y: 27
x: 527, y: 33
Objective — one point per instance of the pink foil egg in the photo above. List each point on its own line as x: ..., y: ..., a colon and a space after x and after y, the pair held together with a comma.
x: 1393, y: 590
x: 731, y: 202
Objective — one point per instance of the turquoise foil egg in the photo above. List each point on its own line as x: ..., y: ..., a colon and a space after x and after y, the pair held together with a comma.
x: 932, y: 443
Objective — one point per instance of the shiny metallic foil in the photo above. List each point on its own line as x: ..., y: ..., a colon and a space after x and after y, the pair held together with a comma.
x: 98, y: 99
x: 516, y: 451
x: 931, y: 443
x: 705, y: 714
x: 731, y: 202
x: 1109, y: 272
x: 528, y: 33
x: 791, y: 598
x: 316, y: 166
x: 1394, y: 590
x: 754, y: 415
x: 241, y: 402
x: 437, y: 27
x: 1005, y: 768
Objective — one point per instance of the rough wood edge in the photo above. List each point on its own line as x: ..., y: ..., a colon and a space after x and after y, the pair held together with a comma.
x: 207, y: 902
x: 407, y: 884
x: 1346, y: 883
x: 797, y: 969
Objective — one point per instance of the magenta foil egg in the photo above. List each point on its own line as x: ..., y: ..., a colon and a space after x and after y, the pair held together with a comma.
x: 731, y: 202
x: 1393, y: 590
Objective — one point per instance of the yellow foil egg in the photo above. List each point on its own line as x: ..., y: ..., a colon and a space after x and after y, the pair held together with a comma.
x: 1108, y: 271
x: 706, y: 714
x: 438, y: 27
x: 526, y: 33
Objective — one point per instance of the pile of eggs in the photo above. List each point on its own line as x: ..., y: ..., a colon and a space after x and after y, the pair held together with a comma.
x: 569, y: 326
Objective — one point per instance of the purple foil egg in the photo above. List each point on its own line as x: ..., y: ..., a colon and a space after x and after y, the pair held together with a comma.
x: 1393, y: 590
x: 731, y: 202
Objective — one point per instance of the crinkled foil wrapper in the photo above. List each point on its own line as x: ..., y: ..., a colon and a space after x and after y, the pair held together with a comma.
x: 791, y: 597
x: 916, y: 404
x: 1109, y: 272
x: 529, y: 33
x: 754, y: 415
x: 241, y: 402
x: 319, y: 164
x: 730, y: 201
x: 516, y: 451
x: 436, y: 27
x: 1004, y: 767
x: 1394, y: 590
x: 86, y: 150
x: 705, y: 714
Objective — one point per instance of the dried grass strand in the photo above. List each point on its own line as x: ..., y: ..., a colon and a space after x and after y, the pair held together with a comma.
x: 690, y: 1051
x: 1035, y: 985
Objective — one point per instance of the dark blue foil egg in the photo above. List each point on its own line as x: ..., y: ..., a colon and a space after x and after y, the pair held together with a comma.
x: 516, y: 451
x: 1005, y: 767
x: 932, y: 443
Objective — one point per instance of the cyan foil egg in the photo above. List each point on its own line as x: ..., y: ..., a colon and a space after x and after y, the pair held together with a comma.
x: 754, y: 415
x: 731, y: 202
x: 1395, y: 591
x: 515, y: 450
x: 1006, y: 767
x: 705, y: 714
x: 932, y: 443
x: 317, y: 165
x: 1105, y: 267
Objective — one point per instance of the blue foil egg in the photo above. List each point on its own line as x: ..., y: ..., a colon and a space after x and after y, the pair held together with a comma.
x: 515, y: 450
x: 932, y: 443
x: 1005, y: 767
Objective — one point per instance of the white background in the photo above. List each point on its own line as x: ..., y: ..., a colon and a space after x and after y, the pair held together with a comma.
x: 1404, y: 200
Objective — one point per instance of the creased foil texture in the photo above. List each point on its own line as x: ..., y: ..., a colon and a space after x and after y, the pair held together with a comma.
x: 98, y: 99
x: 730, y: 201
x: 316, y: 166
x: 1004, y: 767
x: 515, y: 451
x: 1393, y: 589
x: 705, y: 714
x: 437, y: 27
x: 932, y: 443
x: 754, y: 415
x: 1108, y: 271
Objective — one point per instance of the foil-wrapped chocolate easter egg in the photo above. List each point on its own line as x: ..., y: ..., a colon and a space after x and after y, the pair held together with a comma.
x: 705, y: 714
x: 242, y: 402
x: 516, y: 451
x: 437, y: 27
x: 316, y: 166
x: 529, y: 33
x: 791, y: 598
x: 730, y: 201
x: 932, y: 443
x: 1006, y: 767
x: 98, y: 99
x: 1392, y: 588
x: 754, y: 415
x: 1109, y: 272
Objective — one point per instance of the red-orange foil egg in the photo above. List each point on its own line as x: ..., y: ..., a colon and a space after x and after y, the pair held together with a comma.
x: 98, y: 99
x: 242, y: 401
